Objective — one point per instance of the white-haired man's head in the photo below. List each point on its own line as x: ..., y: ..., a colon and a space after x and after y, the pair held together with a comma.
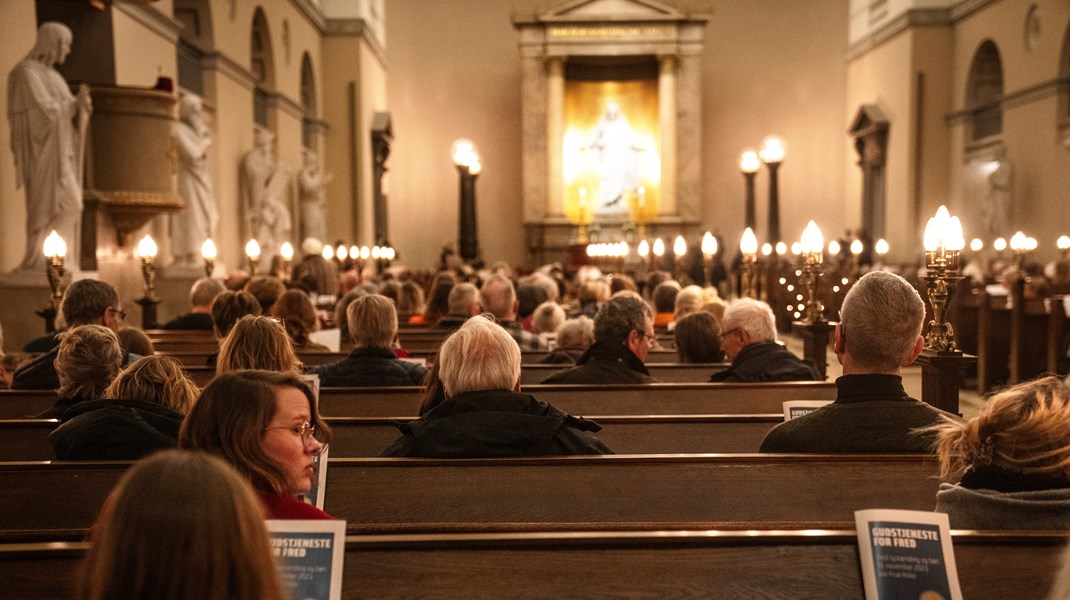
x: 746, y: 322
x: 481, y: 355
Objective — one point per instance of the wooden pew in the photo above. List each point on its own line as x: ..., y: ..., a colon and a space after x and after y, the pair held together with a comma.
x: 630, y: 399
x: 373, y: 494
x: 622, y: 399
x: 613, y: 564
x: 993, y: 342
x: 358, y: 437
x: 191, y: 358
x: 671, y: 372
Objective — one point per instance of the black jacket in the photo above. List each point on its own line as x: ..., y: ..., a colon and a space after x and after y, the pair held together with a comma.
x: 767, y: 361
x: 190, y: 322
x: 115, y: 430
x: 38, y: 374
x: 494, y: 423
x: 368, y: 367
x: 605, y: 363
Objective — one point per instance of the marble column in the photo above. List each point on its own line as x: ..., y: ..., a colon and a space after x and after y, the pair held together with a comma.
x: 555, y: 133
x: 667, y: 122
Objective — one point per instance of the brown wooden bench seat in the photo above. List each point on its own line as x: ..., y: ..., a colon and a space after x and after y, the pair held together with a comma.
x: 357, y: 437
x: 428, y: 494
x: 618, y: 399
x: 599, y: 564
x: 671, y: 372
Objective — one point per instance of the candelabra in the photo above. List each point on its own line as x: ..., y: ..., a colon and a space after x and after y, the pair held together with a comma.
x: 55, y: 249
x: 679, y: 253
x: 709, y: 248
x: 943, y: 242
x: 748, y: 248
x: 252, y: 252
x: 208, y: 253
x: 286, y: 251
x: 812, y: 252
x: 147, y: 249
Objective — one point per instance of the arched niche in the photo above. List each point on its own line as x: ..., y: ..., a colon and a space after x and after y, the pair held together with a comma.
x: 195, y: 41
x: 984, y: 94
x: 262, y: 64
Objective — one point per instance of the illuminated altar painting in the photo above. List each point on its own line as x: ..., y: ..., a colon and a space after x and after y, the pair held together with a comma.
x: 612, y: 164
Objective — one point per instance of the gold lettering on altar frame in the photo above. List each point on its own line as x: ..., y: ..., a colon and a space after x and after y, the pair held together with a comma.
x: 611, y: 160
x: 650, y: 31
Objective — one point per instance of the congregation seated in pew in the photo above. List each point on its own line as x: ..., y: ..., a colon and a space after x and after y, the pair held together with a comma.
x: 87, y: 360
x: 879, y: 333
x: 482, y: 413
x: 572, y: 339
x: 749, y: 340
x: 373, y: 325
x: 1011, y: 462
x: 139, y: 413
x: 624, y: 334
x: 201, y: 295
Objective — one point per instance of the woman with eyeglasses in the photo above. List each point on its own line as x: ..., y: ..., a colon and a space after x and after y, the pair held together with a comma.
x: 265, y: 424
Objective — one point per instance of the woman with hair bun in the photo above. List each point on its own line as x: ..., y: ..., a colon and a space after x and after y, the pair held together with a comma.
x: 1012, y: 460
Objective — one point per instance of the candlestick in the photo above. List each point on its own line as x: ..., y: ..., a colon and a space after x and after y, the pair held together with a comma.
x: 286, y: 251
x: 679, y: 251
x: 748, y: 248
x: 943, y: 241
x: 709, y: 248
x: 147, y: 249
x: 252, y: 251
x: 208, y: 253
x: 55, y: 249
x: 812, y: 246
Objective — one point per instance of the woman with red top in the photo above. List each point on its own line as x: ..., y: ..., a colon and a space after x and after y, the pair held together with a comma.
x: 265, y: 424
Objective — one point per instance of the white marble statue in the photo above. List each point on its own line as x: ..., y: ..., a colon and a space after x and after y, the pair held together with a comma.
x: 48, y: 129
x: 997, y: 207
x: 264, y: 185
x: 310, y: 184
x: 617, y: 160
x: 198, y: 221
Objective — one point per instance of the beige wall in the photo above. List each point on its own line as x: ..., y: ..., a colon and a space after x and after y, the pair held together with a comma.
x: 18, y: 25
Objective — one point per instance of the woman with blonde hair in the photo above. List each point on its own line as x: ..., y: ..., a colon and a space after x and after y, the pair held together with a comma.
x: 87, y: 360
x: 180, y: 526
x: 141, y: 413
x: 257, y: 342
x: 266, y: 425
x: 1012, y: 460
x: 299, y: 318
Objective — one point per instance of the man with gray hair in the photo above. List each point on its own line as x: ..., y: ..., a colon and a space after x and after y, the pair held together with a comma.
x: 879, y: 333
x: 623, y: 336
x: 86, y: 302
x: 498, y: 297
x: 372, y: 322
x: 462, y: 304
x: 201, y: 295
x: 748, y: 338
x: 483, y: 413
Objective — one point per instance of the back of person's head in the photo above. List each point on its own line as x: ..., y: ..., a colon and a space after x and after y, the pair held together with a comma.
x: 753, y: 316
x: 438, y: 296
x: 619, y: 282
x: 136, y: 341
x: 341, y: 309
x: 86, y: 300
x: 547, y: 317
x: 228, y: 307
x: 88, y: 359
x: 372, y: 321
x: 529, y: 297
x: 481, y: 355
x: 687, y: 301
x: 592, y: 291
x: 410, y: 298
x: 880, y: 321
x: 203, y: 291
x: 544, y: 282
x: 230, y: 417
x: 498, y: 297
x: 664, y: 296
x: 575, y: 333
x: 620, y: 316
x: 157, y: 379
x: 298, y: 314
x: 716, y: 307
x: 390, y: 288
x: 698, y: 338
x: 257, y: 342
x: 653, y: 280
x: 463, y: 298
x: 1022, y: 429
x: 172, y: 506
x: 266, y: 289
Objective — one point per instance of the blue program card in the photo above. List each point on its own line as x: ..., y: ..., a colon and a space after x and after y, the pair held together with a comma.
x: 310, y: 556
x: 906, y: 554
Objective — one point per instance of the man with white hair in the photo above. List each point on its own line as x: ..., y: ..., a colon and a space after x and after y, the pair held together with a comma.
x: 201, y: 295
x: 483, y: 413
x: 462, y: 304
x: 879, y: 333
x: 748, y: 338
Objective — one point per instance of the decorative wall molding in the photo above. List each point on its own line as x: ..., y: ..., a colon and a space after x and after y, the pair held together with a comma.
x: 912, y: 18
x: 357, y: 28
x: 163, y: 25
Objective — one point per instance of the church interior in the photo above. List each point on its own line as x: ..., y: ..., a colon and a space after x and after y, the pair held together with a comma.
x: 794, y: 144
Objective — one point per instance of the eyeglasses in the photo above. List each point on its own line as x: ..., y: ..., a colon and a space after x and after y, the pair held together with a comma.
x: 118, y: 311
x: 305, y: 430
x: 725, y: 334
